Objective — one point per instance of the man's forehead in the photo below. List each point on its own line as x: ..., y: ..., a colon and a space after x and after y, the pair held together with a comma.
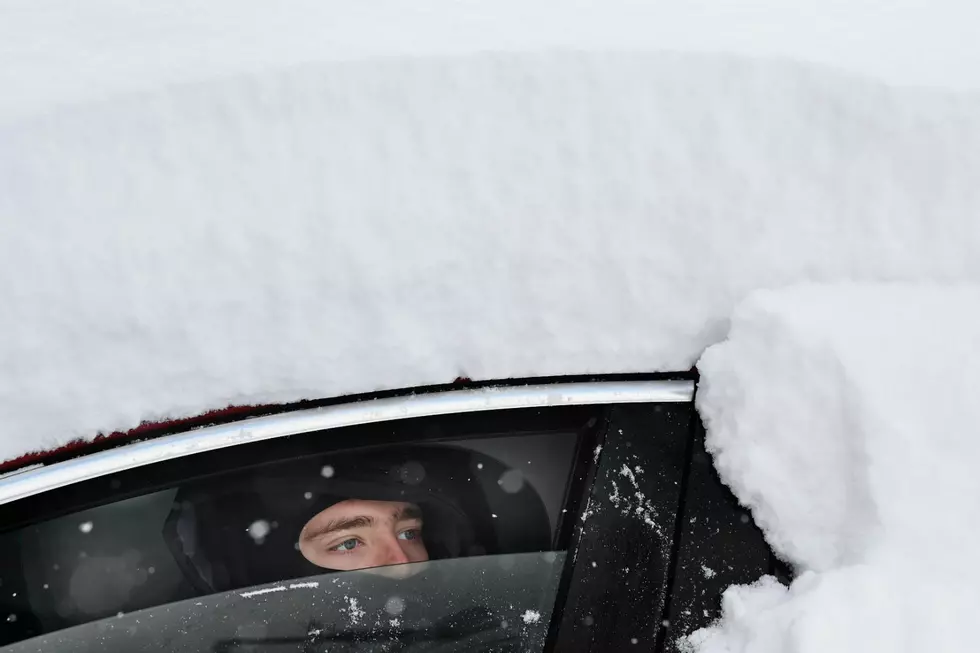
x: 369, y: 508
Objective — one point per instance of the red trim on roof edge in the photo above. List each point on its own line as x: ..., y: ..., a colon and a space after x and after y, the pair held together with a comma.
x: 145, y: 430
x: 148, y: 430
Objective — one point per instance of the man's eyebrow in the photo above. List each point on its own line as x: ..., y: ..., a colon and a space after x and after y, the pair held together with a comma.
x: 335, y: 525
x: 411, y: 511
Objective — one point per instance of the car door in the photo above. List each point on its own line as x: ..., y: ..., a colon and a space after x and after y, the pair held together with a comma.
x: 572, y: 495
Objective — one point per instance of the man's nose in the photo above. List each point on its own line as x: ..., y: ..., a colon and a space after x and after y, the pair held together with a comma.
x: 394, y: 555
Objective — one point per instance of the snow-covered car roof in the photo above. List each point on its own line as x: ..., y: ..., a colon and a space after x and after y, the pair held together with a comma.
x: 343, y: 228
x: 240, y: 204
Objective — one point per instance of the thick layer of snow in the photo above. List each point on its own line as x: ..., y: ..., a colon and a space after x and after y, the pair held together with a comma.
x: 56, y: 52
x: 846, y: 417
x: 347, y: 227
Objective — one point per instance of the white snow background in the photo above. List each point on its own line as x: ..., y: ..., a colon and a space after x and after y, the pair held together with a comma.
x: 232, y: 204
x: 846, y: 417
x: 55, y: 52
x: 346, y: 227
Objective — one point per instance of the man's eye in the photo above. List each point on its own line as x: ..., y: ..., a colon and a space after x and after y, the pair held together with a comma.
x: 346, y: 545
x: 410, y: 534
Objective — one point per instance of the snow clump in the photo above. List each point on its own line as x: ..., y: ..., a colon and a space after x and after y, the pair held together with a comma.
x: 845, y: 416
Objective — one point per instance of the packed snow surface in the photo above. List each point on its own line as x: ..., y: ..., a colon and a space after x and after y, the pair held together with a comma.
x: 345, y: 227
x: 846, y: 417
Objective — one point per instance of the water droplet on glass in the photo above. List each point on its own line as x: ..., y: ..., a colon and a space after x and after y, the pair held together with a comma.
x: 258, y: 530
x: 11, y: 618
x: 479, y: 465
x: 395, y: 606
x: 86, y: 526
x: 152, y: 570
x: 412, y: 473
x: 511, y: 481
x: 633, y: 640
x: 327, y: 471
x: 588, y: 621
x: 503, y: 624
x: 744, y: 519
x: 45, y: 586
x: 307, y: 495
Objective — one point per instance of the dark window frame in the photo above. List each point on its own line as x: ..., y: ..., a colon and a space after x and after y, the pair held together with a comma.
x: 605, y: 602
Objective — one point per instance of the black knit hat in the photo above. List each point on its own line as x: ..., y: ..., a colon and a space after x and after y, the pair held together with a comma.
x: 242, y: 529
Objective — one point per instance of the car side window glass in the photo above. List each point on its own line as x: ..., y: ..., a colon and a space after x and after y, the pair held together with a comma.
x: 416, y: 543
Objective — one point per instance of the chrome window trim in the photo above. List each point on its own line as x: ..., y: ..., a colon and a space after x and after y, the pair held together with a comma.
x: 36, y: 480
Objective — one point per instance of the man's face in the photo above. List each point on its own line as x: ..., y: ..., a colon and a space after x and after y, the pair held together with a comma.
x: 357, y: 534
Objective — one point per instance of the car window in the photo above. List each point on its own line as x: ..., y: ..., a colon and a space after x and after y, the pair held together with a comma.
x: 486, y: 603
x: 281, y: 547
